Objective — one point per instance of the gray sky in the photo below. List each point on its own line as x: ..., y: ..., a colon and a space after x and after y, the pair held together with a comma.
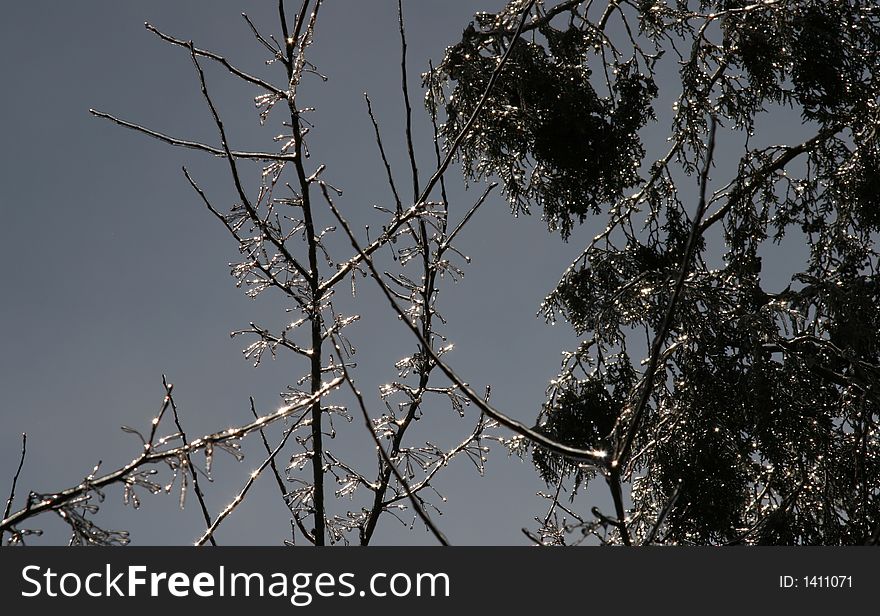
x: 116, y: 274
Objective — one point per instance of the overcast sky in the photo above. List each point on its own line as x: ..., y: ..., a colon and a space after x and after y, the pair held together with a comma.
x: 115, y: 274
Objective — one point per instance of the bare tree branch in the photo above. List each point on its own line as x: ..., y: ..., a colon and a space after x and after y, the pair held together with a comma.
x: 591, y: 456
x: 453, y: 148
x: 189, y: 463
x: 239, y: 498
x: 217, y: 58
x: 624, y: 447
x: 152, y: 456
x: 398, y: 203
x: 15, y: 477
x: 429, y: 523
x: 194, y: 145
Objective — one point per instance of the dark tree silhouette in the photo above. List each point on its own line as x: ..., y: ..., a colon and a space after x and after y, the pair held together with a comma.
x: 753, y: 417
x: 721, y: 401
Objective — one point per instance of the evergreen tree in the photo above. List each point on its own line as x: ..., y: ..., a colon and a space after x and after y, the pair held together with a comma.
x: 753, y: 417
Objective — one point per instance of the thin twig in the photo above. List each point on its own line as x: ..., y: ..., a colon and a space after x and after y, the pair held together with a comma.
x: 453, y: 148
x: 404, y: 86
x: 661, y: 517
x: 397, y: 202
x: 259, y: 265
x: 217, y: 58
x: 273, y: 50
x: 194, y: 145
x: 151, y: 456
x: 448, y: 240
x: 663, y: 331
x: 752, y: 183
x: 189, y: 463
x: 297, y: 29
x: 436, y: 140
x: 282, y: 18
x: 232, y: 506
x: 531, y: 536
x: 413, y: 211
x: 278, y: 480
x: 438, y: 534
x: 425, y: 482
x: 614, y: 484
x: 233, y: 168
x: 606, y: 14
x: 15, y: 477
x: 591, y: 456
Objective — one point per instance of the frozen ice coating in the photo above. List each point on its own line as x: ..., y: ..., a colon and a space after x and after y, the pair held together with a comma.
x: 685, y: 196
x: 153, y: 297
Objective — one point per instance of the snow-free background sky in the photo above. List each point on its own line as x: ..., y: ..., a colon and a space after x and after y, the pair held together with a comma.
x: 114, y: 273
